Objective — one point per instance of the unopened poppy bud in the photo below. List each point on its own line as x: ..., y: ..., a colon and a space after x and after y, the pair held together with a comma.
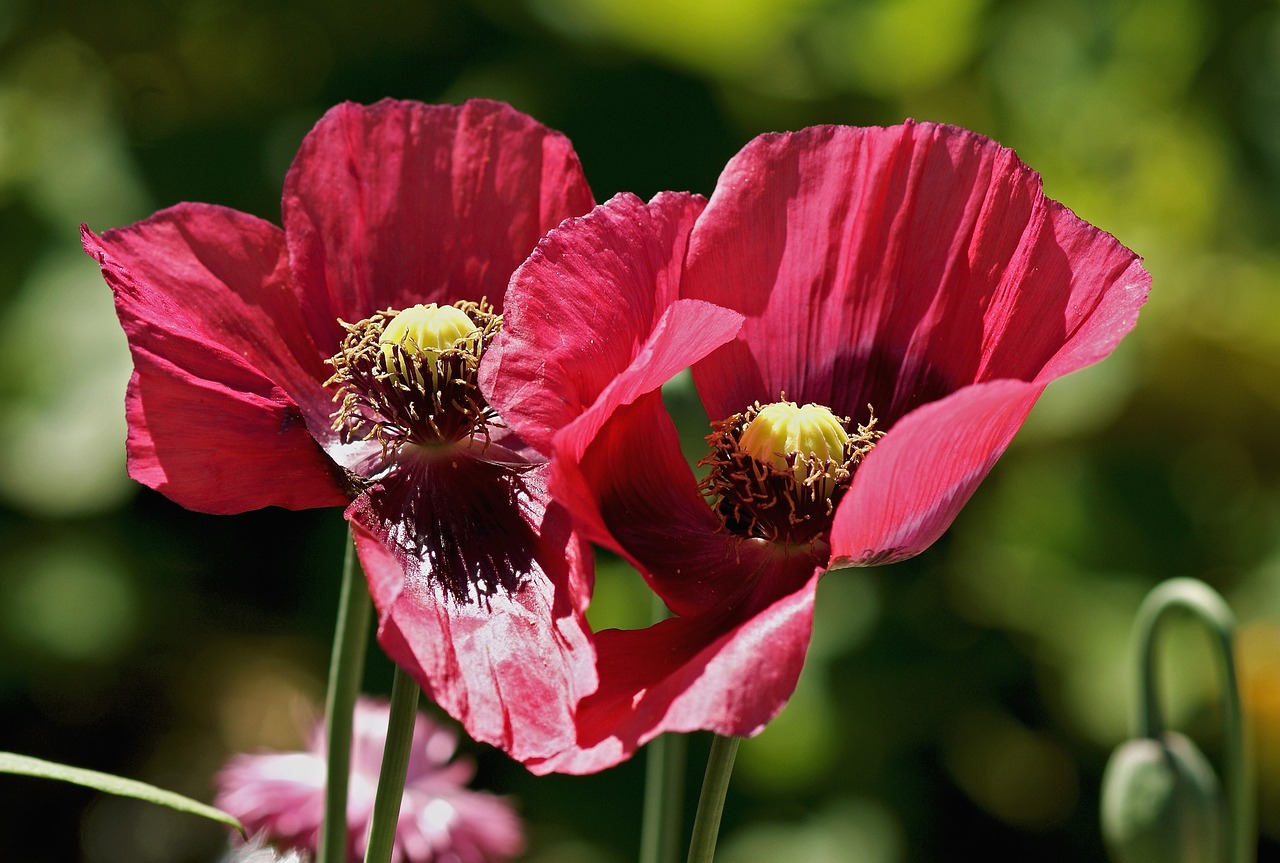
x: 424, y: 331
x: 783, y: 429
x: 1161, y: 803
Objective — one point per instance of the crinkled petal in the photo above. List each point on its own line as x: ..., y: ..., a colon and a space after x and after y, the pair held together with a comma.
x: 914, y: 483
x: 474, y: 576
x: 631, y: 489
x: 593, y: 328
x: 225, y: 393
x: 439, y: 821
x: 729, y: 671
x: 430, y: 751
x: 1108, y: 286
x: 400, y: 203
x: 279, y: 794
x: 686, y: 331
x: 588, y: 305
x: 892, y: 266
x: 216, y: 437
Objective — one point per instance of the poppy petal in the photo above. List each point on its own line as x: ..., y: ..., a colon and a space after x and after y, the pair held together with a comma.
x: 587, y: 305
x: 729, y: 671
x: 592, y: 318
x: 942, y: 263
x: 475, y: 595
x: 914, y: 483
x: 222, y: 404
x: 632, y: 491
x: 401, y: 203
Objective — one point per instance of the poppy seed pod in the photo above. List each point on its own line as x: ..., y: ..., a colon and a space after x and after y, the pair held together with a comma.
x: 1161, y: 803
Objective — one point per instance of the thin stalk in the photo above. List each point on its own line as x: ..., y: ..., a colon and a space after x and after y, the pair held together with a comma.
x: 346, y: 668
x: 715, y: 783
x: 1209, y: 609
x: 665, y: 758
x: 395, y: 763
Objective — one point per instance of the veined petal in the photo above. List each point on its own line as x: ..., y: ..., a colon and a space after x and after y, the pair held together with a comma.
x: 475, y: 587
x: 592, y: 302
x: 892, y: 266
x: 630, y: 489
x: 227, y: 443
x: 593, y: 328
x: 914, y: 483
x: 1108, y: 286
x: 401, y: 203
x: 729, y: 671
x: 226, y: 391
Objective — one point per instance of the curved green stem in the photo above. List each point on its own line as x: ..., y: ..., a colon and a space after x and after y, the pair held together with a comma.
x: 706, y: 824
x: 395, y: 763
x: 1208, y: 607
x: 346, y: 668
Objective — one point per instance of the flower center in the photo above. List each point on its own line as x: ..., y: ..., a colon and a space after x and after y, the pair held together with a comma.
x: 778, y: 470
x: 410, y: 377
x: 791, y: 438
x: 423, y: 331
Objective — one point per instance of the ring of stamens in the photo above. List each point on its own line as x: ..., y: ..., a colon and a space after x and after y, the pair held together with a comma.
x: 792, y: 502
x: 398, y: 393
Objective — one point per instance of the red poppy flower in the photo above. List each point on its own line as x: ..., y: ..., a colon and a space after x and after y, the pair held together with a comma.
x: 905, y: 295
x: 334, y: 362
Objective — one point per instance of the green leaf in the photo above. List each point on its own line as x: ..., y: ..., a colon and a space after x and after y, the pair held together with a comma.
x: 25, y: 765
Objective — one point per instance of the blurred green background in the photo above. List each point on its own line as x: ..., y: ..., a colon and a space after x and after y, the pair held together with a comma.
x: 960, y: 704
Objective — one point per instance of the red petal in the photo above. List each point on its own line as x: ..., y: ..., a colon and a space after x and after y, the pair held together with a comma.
x: 592, y: 328
x: 729, y: 671
x: 924, y: 470
x: 587, y: 305
x: 223, y: 370
x: 400, y: 203
x: 893, y: 266
x: 1108, y: 286
x: 510, y: 665
x: 632, y: 491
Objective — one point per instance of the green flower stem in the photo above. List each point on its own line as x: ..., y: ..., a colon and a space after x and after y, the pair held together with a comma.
x: 663, y: 798
x: 665, y: 763
x: 1208, y: 608
x: 346, y: 668
x: 706, y: 824
x: 395, y: 763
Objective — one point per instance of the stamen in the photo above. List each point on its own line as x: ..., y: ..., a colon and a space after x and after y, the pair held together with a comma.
x: 778, y: 470
x: 411, y: 376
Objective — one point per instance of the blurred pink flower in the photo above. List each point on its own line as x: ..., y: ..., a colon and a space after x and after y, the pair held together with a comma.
x: 280, y: 795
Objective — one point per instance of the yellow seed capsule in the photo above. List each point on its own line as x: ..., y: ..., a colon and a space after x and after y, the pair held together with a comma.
x: 424, y: 331
x: 782, y: 428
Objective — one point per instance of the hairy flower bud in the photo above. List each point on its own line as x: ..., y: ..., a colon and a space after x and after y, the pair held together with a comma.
x: 1161, y: 803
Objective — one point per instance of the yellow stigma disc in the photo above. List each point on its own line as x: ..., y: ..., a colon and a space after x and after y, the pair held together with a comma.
x: 782, y: 428
x: 424, y: 331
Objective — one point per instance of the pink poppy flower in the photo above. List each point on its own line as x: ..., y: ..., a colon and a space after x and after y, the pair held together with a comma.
x: 334, y: 362
x: 901, y: 296
x: 280, y: 796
